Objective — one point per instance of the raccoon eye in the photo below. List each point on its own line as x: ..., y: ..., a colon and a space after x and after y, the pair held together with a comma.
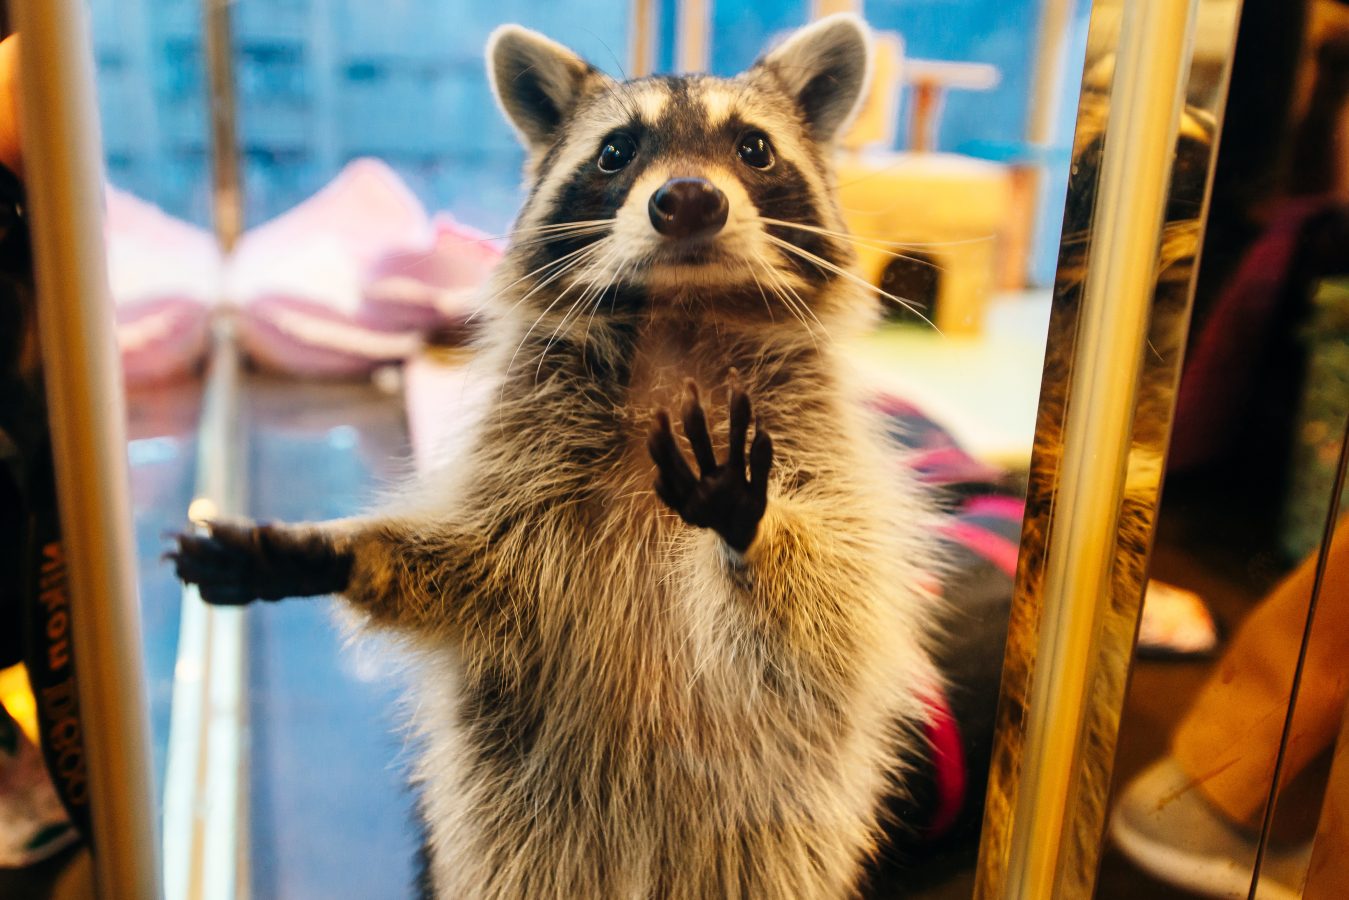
x: 617, y: 152
x: 755, y: 150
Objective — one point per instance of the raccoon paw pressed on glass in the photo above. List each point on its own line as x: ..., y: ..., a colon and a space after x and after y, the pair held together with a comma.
x: 719, y: 497
x: 617, y: 701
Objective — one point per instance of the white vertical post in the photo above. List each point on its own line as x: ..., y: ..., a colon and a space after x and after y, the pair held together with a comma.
x: 1051, y: 48
x: 64, y: 168
x: 206, y: 850
x: 693, y: 35
x: 641, y: 38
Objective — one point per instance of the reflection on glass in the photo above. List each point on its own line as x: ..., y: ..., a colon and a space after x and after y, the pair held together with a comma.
x: 1243, y: 537
x: 1328, y: 868
x: 1073, y: 622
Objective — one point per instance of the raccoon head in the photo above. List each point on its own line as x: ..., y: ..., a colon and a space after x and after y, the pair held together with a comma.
x: 664, y: 188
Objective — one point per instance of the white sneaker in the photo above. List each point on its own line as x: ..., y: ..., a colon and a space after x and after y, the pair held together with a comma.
x: 1167, y: 828
x: 33, y: 824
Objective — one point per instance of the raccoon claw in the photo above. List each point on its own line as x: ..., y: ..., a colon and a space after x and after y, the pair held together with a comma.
x: 237, y: 563
x: 720, y: 497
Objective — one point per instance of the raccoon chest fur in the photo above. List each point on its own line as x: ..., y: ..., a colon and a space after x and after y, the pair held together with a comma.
x: 639, y: 718
x: 649, y: 741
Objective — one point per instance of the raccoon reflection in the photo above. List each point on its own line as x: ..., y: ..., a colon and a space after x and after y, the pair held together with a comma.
x: 645, y: 675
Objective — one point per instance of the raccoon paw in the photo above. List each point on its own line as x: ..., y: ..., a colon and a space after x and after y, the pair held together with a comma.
x: 720, y: 497
x: 239, y: 562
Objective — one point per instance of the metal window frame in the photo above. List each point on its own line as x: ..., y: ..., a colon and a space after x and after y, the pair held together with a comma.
x: 206, y: 809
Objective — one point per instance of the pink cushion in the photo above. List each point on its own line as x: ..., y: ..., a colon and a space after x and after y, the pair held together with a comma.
x: 432, y: 285
x: 163, y: 275
x: 348, y: 279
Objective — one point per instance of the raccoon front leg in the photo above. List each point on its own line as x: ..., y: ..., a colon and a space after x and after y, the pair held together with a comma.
x: 398, y: 573
x: 720, y: 497
x: 237, y: 562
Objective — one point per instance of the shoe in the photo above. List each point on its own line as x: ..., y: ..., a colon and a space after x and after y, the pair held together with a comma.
x: 1167, y: 828
x: 33, y: 825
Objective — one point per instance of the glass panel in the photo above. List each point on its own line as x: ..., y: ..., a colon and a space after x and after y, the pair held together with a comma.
x: 1116, y: 341
x: 951, y: 183
x: 1327, y: 869
x: 320, y: 452
x: 1260, y: 423
x: 323, y: 84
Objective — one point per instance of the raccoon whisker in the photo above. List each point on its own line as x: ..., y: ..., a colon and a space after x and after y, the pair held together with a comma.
x: 777, y: 285
x: 561, y: 234
x: 532, y: 229
x: 599, y: 300
x: 562, y: 226
x: 579, y: 303
x: 878, y: 239
x: 557, y: 234
x: 544, y: 234
x: 595, y: 290
x: 758, y: 284
x: 856, y: 279
x: 918, y: 245
x: 795, y: 305
x: 588, y: 280
x: 798, y: 302
x: 592, y: 248
x: 774, y: 284
x: 539, y: 234
x: 581, y: 256
x: 563, y: 263
x: 828, y: 266
x: 805, y: 308
x: 599, y: 226
x: 879, y: 246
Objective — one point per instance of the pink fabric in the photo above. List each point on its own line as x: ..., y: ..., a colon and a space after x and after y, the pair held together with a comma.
x: 348, y: 279
x: 1216, y: 385
x: 948, y: 767
x: 422, y: 288
x: 163, y: 275
x: 999, y: 505
x: 993, y: 547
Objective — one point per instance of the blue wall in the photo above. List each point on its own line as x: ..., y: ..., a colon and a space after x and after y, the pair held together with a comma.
x: 319, y: 83
x: 323, y: 81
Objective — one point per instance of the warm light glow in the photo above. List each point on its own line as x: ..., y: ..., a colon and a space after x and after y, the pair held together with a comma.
x: 202, y: 509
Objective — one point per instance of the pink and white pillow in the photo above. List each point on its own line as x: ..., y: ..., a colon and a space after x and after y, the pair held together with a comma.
x: 164, y: 275
x: 344, y: 282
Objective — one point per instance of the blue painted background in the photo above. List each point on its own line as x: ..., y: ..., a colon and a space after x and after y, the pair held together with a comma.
x: 323, y: 81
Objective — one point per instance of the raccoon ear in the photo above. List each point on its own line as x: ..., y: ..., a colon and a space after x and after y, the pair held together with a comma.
x: 825, y: 66
x: 536, y: 81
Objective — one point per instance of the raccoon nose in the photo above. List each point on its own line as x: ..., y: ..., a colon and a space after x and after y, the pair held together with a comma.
x: 688, y: 207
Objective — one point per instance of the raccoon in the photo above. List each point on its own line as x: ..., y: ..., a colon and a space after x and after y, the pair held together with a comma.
x: 652, y: 666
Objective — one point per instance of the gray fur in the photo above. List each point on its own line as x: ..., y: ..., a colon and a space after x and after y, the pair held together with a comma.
x: 614, y: 704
